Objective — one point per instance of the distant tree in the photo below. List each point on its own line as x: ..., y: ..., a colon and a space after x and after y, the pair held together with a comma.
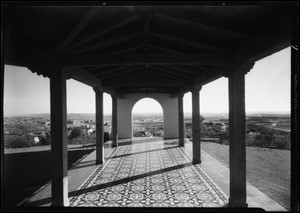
x: 46, y: 140
x: 75, y: 133
x: 69, y: 121
x: 201, y: 118
x: 265, y: 138
x: 18, y: 142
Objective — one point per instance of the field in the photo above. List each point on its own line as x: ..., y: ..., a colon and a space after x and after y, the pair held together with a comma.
x: 267, y: 169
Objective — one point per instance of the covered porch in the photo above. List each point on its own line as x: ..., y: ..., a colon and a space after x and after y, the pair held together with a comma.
x: 131, y: 51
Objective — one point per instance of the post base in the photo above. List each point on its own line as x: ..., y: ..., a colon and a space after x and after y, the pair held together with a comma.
x: 100, y: 162
x: 237, y: 205
x: 63, y: 204
x: 196, y: 161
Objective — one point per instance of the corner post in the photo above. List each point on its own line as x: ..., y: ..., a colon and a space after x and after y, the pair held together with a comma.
x: 59, y: 149
x: 181, y: 120
x: 196, y: 125
x: 237, y: 136
x: 114, y: 121
x: 99, y: 126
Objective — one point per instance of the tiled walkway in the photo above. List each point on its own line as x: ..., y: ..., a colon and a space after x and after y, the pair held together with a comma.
x: 149, y: 174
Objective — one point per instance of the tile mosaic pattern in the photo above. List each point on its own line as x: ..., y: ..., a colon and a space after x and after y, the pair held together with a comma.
x: 152, y: 174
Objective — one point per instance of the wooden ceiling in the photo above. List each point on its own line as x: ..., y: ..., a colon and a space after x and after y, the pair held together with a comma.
x: 130, y: 48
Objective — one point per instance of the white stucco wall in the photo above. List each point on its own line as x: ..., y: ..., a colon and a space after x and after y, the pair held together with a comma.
x: 168, y: 104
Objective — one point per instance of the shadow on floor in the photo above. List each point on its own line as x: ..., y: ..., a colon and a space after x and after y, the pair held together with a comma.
x: 24, y: 173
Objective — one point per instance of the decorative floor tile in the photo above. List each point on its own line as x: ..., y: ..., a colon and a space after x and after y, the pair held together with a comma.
x: 151, y: 174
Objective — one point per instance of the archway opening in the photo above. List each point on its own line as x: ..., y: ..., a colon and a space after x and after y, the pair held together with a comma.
x: 147, y: 119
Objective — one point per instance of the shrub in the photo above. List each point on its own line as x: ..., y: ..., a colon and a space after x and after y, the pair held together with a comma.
x: 139, y: 134
x: 106, y: 136
x: 18, y: 142
x: 46, y: 140
x: 282, y: 142
x: 75, y: 133
x: 224, y: 137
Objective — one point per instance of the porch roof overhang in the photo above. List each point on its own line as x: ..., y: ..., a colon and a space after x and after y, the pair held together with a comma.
x: 139, y: 48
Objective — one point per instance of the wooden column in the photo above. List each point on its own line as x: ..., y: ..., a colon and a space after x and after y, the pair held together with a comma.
x: 237, y: 137
x: 3, y: 176
x: 59, y: 150
x: 114, y: 121
x: 99, y: 126
x: 196, y: 125
x: 181, y: 120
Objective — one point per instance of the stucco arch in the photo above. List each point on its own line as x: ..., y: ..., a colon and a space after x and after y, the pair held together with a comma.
x: 168, y: 104
x: 145, y: 98
x: 138, y: 102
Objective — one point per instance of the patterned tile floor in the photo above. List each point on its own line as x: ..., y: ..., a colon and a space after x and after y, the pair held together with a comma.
x: 148, y: 174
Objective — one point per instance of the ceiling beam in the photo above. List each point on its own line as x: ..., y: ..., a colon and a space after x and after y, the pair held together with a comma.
x: 262, y: 45
x: 164, y: 49
x: 82, y: 23
x: 125, y: 72
x: 105, y: 43
x: 160, y: 75
x: 206, y: 77
x: 132, y: 83
x: 124, y: 90
x: 210, y: 75
x: 100, y: 71
x: 103, y: 32
x: 83, y: 76
x: 121, y: 78
x: 167, y: 70
x: 196, y: 25
x: 128, y: 50
x: 182, y: 70
x: 203, y: 59
x: 198, y: 45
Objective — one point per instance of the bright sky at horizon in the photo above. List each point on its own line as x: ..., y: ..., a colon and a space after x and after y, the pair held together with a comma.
x: 267, y: 88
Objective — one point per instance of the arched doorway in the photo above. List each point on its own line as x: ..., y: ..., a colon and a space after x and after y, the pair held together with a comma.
x: 147, y: 118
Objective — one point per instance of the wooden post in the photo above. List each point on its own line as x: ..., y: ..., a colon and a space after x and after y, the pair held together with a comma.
x: 114, y: 121
x: 196, y: 125
x: 99, y: 126
x: 59, y: 150
x: 3, y: 176
x: 237, y: 137
x: 181, y: 120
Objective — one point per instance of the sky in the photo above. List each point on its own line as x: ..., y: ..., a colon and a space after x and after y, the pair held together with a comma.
x: 267, y: 89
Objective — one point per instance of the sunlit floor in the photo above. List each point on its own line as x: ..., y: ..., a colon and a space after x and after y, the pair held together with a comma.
x: 149, y: 174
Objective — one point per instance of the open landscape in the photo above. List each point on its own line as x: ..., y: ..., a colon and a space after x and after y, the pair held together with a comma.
x: 27, y: 159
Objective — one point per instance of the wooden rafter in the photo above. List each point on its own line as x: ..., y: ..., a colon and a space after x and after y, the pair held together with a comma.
x: 212, y: 29
x: 103, y: 32
x: 83, y: 22
x: 204, y: 59
x: 106, y: 43
x: 163, y: 49
x: 184, y: 70
x: 161, y: 75
x: 124, y: 77
x: 131, y: 83
x: 128, y: 50
x: 125, y: 72
x: 203, y: 45
x: 123, y: 90
x: 210, y: 75
x: 83, y: 76
x: 101, y: 72
x: 169, y: 71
